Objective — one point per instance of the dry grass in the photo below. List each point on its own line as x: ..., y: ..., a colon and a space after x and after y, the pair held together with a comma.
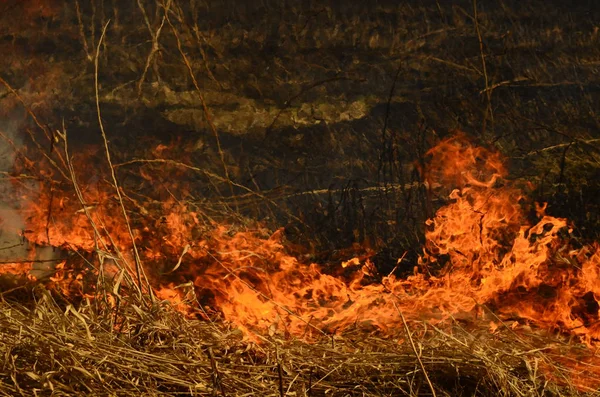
x: 52, y: 348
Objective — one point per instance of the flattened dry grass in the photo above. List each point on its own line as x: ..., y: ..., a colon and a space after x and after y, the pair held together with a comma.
x: 52, y: 348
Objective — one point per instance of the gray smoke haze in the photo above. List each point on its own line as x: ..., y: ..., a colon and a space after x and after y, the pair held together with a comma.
x: 12, y: 245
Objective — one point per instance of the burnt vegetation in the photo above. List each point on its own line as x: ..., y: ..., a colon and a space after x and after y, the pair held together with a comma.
x: 312, y: 116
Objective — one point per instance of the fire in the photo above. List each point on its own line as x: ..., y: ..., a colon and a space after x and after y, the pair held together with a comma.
x: 498, y: 259
x: 481, y: 250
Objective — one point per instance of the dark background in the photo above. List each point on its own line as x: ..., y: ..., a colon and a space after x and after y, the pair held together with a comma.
x: 321, y: 112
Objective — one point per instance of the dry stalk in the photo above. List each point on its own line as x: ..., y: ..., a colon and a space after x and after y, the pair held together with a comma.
x: 138, y: 262
x: 155, y: 42
x: 97, y: 236
x: 385, y: 151
x: 174, y: 359
x: 414, y: 348
x: 563, y: 146
x: 210, y: 175
x: 216, y: 376
x: 93, y: 26
x: 489, y: 111
x: 199, y: 39
x: 455, y: 65
x: 203, y: 102
x: 41, y: 127
x: 279, y: 373
x: 547, y: 360
x: 86, y: 48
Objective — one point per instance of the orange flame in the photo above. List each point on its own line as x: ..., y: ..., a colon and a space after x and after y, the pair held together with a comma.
x: 491, y: 255
x: 480, y: 250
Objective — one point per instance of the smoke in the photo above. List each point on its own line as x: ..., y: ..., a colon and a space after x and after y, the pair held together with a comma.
x: 12, y: 245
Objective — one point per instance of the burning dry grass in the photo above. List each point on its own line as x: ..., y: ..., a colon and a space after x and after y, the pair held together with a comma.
x: 274, y: 325
x: 53, y: 349
x: 97, y: 327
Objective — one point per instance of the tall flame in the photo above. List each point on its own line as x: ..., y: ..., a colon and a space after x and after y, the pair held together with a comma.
x: 480, y: 250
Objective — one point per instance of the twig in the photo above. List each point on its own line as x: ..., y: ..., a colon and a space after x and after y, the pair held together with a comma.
x: 40, y: 126
x: 439, y: 7
x: 216, y: 377
x: 384, y: 150
x: 450, y: 63
x: 138, y: 262
x: 81, y: 199
x: 563, y: 162
x: 564, y: 145
x: 195, y: 31
x: 414, y: 348
x: 488, y: 92
x: 82, y: 32
x: 507, y: 83
x: 155, y: 38
x: 203, y: 102
x: 280, y: 374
